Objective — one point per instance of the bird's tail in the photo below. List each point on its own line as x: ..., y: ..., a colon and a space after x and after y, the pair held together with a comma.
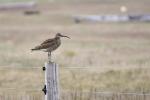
x: 33, y: 49
x: 36, y: 48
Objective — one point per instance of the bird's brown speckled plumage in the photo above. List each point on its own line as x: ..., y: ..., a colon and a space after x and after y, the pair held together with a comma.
x: 50, y: 45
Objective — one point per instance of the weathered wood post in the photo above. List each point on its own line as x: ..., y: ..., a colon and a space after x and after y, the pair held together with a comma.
x: 51, y: 81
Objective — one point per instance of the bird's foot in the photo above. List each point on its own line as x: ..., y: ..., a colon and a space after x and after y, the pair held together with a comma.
x: 50, y: 61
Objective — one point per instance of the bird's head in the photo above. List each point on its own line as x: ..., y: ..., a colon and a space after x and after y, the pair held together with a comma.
x: 60, y: 35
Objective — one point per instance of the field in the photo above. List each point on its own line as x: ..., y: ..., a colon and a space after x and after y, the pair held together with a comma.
x: 99, y: 56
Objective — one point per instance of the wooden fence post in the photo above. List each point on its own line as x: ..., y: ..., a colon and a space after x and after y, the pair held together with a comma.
x: 51, y: 81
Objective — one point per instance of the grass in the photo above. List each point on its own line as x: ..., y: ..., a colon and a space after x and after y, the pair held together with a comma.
x: 110, y: 80
x: 110, y: 56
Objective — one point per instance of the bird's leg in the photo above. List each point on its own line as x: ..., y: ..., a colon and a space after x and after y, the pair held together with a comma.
x: 49, y: 56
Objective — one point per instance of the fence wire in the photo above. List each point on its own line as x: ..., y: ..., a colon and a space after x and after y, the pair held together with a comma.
x: 75, y: 95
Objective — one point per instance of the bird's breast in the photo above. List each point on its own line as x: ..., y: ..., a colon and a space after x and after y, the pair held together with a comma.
x: 55, y: 45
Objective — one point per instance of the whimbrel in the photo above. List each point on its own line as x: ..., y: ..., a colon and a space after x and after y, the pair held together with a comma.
x: 50, y: 45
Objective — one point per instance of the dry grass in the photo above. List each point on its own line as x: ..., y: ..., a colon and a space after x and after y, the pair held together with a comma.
x: 115, y: 55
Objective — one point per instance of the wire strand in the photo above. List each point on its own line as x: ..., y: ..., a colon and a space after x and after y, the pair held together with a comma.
x: 78, y: 68
x: 83, y: 92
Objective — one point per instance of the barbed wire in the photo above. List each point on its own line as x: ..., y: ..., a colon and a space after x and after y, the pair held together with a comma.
x: 12, y: 89
x: 84, y: 68
x: 77, y: 91
x: 62, y: 68
x: 108, y: 92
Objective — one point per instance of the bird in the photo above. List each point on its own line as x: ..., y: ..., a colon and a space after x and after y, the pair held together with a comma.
x: 50, y: 45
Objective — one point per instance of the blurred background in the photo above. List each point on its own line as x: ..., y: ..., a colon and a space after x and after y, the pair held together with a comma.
x: 109, y: 49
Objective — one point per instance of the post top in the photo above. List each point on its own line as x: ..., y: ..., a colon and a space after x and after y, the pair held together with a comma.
x: 50, y: 63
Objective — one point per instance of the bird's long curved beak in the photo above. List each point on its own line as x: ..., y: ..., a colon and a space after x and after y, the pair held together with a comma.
x: 65, y: 36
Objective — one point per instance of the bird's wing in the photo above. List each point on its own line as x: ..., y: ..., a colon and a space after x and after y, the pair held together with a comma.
x: 44, y: 46
x: 47, y: 41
